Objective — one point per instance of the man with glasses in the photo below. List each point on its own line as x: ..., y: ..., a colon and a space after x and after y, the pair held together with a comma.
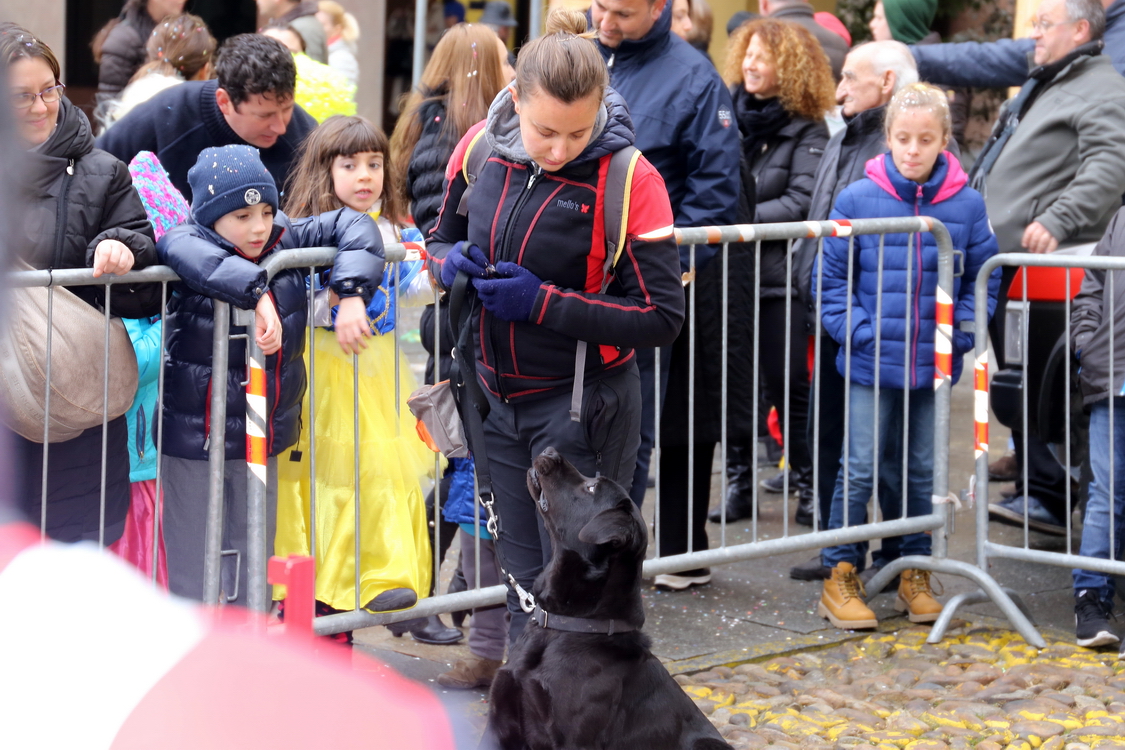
x: 1003, y: 62
x: 1053, y: 172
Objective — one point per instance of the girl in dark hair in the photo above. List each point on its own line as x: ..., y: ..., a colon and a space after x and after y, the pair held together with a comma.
x: 119, y: 47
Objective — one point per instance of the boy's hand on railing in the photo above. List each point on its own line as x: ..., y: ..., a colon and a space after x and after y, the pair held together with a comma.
x: 352, y: 327
x: 1036, y: 239
x: 111, y: 256
x: 267, y: 326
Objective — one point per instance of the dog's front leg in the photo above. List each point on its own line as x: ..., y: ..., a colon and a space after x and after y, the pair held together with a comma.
x: 504, y: 729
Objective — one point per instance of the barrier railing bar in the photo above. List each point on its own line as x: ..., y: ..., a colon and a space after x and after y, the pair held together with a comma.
x: 216, y: 438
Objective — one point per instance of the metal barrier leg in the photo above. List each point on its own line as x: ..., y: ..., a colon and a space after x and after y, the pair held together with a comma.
x: 212, y: 560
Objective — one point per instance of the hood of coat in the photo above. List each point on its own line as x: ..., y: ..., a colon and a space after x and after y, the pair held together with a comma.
x: 656, y: 36
x: 71, y: 139
x: 613, y: 129
x: 945, y: 181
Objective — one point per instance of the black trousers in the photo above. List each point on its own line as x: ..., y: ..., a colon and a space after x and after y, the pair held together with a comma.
x: 673, y: 498
x: 1046, y: 478
x: 605, y: 443
x: 771, y: 360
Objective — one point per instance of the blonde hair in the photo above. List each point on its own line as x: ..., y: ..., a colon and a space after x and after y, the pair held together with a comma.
x: 340, y: 17
x: 804, y: 74
x: 920, y: 96
x: 562, y: 63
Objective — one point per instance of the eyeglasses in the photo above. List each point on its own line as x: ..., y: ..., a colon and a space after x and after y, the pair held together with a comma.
x: 1043, y: 26
x: 49, y: 96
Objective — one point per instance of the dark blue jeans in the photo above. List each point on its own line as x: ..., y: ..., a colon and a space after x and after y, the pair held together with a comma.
x: 889, y: 414
x: 1101, y: 514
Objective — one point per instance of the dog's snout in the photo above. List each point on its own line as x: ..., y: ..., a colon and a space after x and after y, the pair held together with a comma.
x: 547, y: 461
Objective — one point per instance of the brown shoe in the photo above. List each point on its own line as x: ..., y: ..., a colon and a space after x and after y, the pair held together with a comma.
x: 916, y: 598
x: 1003, y: 469
x: 842, y: 600
x: 470, y: 673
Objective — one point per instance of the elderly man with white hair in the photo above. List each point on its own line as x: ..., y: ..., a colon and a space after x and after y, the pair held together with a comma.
x: 872, y: 73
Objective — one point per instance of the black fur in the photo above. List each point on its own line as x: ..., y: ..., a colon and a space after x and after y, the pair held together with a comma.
x: 576, y: 690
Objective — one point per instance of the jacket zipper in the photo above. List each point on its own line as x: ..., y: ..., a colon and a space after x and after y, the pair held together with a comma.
x: 917, y: 291
x: 60, y: 217
x: 505, y: 240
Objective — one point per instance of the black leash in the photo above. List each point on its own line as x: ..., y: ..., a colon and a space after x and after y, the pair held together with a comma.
x: 474, y: 409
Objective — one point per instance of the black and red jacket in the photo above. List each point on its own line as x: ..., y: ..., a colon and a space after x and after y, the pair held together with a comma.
x: 552, y: 224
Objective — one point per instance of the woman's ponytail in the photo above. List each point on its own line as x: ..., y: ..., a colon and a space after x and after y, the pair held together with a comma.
x: 563, y: 63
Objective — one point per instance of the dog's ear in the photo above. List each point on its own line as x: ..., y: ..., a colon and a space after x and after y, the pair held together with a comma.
x: 614, y: 526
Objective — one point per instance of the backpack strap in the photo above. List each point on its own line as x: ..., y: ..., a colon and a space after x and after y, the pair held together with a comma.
x: 471, y: 167
x: 615, y: 210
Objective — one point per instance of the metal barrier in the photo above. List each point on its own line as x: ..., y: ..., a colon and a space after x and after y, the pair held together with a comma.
x: 985, y: 548
x: 755, y: 235
x: 758, y: 548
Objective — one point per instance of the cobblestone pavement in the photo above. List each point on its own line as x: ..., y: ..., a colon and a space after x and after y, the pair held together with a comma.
x: 982, y: 687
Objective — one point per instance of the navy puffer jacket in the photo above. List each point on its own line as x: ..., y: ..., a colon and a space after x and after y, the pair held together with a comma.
x: 210, y: 267
x: 946, y: 197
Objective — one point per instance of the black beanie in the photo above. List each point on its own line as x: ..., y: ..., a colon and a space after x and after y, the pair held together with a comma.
x: 228, y: 178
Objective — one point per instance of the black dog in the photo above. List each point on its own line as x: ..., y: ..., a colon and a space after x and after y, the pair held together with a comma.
x: 577, y: 687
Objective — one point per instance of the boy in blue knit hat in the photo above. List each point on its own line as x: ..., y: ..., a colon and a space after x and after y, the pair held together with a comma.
x: 235, y: 224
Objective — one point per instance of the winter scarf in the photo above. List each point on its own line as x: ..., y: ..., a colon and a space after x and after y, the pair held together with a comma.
x: 758, y: 119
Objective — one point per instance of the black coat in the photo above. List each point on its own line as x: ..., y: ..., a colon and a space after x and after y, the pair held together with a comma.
x: 181, y: 121
x: 211, y: 267
x: 97, y: 199
x: 783, y: 168
x: 425, y: 183
x: 123, y: 52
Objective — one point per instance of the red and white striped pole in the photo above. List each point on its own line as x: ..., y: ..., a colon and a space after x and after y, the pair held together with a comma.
x: 943, y: 342
x: 256, y: 449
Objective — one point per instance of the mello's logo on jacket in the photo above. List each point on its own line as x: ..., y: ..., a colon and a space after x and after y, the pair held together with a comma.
x: 571, y: 205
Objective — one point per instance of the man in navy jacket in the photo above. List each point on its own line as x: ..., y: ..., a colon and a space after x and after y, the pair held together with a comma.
x: 1004, y: 62
x: 684, y: 121
x: 250, y: 102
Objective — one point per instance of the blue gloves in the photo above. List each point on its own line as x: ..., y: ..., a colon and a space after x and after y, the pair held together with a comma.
x: 476, y: 266
x: 510, y: 294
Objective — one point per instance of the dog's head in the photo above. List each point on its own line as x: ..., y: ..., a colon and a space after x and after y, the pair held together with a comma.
x: 598, y: 537
x: 582, y: 511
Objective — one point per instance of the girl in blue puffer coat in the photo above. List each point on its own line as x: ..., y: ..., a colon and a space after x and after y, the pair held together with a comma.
x: 916, y: 178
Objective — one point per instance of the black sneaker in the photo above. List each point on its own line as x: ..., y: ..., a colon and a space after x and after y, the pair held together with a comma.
x: 776, y: 483
x: 813, y: 570
x: 1091, y: 620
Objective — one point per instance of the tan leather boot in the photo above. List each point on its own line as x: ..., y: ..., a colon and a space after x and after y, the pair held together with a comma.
x: 842, y: 600
x: 916, y: 597
x: 470, y: 673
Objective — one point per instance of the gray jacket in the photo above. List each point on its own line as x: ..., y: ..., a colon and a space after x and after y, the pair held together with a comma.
x: 1090, y: 325
x: 1064, y: 165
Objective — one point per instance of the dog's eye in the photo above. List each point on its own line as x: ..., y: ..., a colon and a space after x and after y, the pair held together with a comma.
x: 591, y: 487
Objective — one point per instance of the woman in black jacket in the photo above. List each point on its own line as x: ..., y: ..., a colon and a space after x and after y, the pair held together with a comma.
x: 81, y: 212
x: 119, y: 48
x: 782, y: 86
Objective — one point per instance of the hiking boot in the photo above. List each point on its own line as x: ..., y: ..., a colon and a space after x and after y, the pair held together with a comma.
x: 685, y: 580
x: 1003, y: 469
x: 1091, y: 620
x: 740, y: 487
x: 813, y: 570
x: 842, y: 600
x: 916, y: 598
x: 1010, y: 511
x: 470, y: 673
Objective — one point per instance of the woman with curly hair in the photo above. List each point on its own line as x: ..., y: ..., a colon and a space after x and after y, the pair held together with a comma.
x: 782, y: 86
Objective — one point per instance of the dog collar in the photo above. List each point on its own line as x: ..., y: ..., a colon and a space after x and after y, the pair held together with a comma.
x: 578, y: 624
